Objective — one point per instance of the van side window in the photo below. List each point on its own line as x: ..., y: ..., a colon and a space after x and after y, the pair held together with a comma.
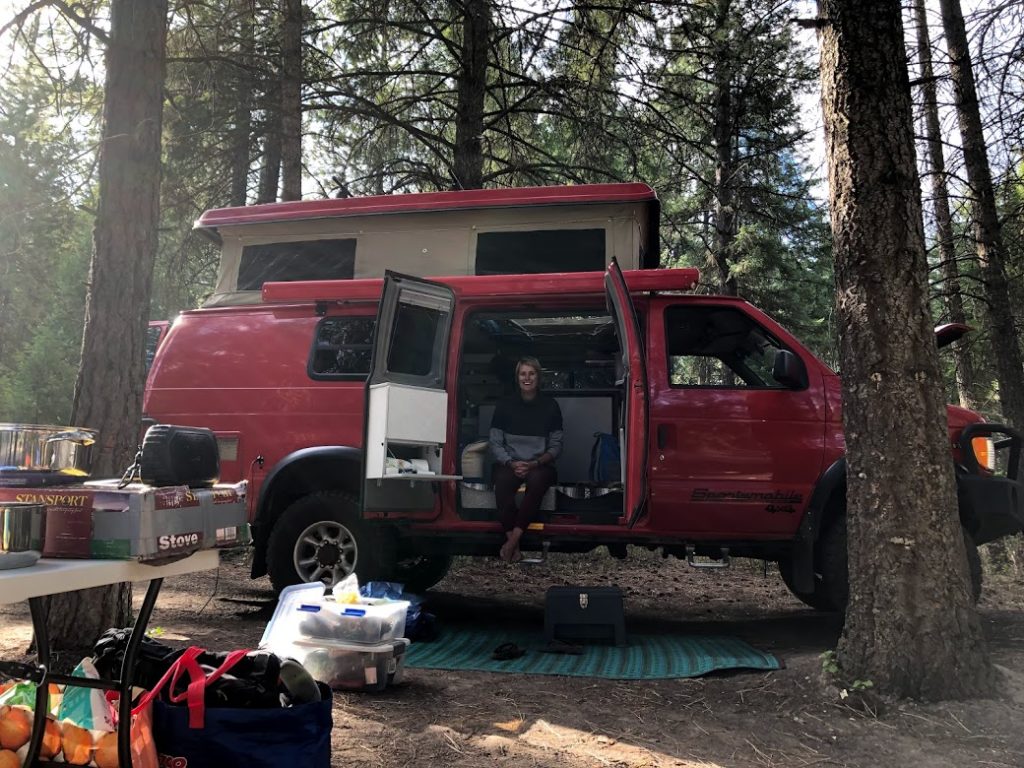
x: 718, y: 347
x: 288, y: 262
x: 342, y: 348
x: 540, y: 250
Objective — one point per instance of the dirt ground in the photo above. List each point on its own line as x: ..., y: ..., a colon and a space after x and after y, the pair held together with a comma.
x: 785, y: 718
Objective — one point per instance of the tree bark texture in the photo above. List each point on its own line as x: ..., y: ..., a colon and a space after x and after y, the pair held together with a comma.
x: 910, y: 627
x: 940, y: 200
x: 241, y: 134
x: 108, y: 390
x: 291, y: 100
x: 988, y: 238
x: 75, y: 620
x: 468, y: 161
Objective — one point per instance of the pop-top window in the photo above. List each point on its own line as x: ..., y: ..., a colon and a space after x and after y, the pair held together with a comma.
x: 342, y: 348
x: 289, y: 262
x: 540, y: 251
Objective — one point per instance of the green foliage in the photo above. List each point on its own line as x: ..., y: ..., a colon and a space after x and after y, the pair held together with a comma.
x: 829, y: 663
x: 44, y: 251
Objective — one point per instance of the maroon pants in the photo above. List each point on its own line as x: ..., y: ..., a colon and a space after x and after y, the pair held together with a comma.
x: 538, y: 480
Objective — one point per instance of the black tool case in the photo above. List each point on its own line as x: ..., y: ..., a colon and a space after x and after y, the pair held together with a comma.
x: 584, y: 615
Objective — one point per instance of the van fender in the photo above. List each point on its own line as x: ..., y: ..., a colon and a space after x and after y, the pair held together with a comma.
x: 305, y: 471
x: 832, y: 481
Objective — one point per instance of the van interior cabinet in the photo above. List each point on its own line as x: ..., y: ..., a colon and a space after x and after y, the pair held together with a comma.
x: 406, y: 432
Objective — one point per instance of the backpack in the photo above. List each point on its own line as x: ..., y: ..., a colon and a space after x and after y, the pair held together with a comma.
x: 605, y: 461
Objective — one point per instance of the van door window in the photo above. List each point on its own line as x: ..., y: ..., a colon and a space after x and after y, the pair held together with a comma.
x: 342, y: 348
x: 289, y: 262
x: 540, y: 251
x: 718, y: 347
x: 418, y: 327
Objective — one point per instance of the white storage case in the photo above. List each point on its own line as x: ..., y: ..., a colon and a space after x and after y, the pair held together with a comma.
x: 349, y: 666
x: 304, y: 614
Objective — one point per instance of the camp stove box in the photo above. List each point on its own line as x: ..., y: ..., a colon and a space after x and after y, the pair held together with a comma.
x: 99, y: 520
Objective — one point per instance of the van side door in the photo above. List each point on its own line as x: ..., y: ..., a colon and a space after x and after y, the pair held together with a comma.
x: 633, y: 380
x: 406, y: 397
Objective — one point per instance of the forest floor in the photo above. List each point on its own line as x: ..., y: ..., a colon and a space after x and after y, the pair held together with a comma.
x: 791, y: 717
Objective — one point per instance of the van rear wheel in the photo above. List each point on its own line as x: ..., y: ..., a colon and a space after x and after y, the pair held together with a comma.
x: 320, y: 537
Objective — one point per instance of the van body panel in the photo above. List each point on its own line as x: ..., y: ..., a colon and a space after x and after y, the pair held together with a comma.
x: 731, y: 461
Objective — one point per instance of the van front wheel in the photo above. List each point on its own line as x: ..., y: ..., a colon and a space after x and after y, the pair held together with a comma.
x: 320, y: 537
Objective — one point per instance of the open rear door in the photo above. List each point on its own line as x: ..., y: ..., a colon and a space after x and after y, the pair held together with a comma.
x: 633, y: 414
x: 406, y: 399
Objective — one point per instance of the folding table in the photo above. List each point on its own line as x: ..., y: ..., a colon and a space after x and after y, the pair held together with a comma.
x: 50, y: 577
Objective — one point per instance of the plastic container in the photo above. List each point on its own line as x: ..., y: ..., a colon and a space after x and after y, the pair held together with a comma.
x: 305, y: 613
x: 349, y: 666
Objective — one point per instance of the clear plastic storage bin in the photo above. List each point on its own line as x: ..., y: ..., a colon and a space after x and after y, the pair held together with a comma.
x: 349, y: 666
x: 304, y: 613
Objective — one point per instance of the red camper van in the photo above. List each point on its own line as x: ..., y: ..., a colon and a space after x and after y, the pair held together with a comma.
x: 728, y: 429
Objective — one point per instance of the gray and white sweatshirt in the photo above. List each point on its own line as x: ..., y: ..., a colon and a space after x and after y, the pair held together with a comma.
x: 522, y: 430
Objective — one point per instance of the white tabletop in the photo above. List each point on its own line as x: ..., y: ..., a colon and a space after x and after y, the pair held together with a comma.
x: 51, y: 576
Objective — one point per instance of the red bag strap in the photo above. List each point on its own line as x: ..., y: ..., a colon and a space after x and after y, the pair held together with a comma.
x: 195, y: 695
x: 170, y: 676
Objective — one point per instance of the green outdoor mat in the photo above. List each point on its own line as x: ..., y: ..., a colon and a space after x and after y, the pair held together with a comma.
x: 647, y: 657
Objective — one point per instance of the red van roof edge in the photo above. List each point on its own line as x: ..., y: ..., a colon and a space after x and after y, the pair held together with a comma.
x: 421, y: 202
x: 368, y: 289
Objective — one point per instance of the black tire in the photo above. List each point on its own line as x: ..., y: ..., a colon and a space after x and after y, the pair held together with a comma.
x: 818, y: 599
x: 832, y: 569
x: 419, y: 574
x: 320, y: 537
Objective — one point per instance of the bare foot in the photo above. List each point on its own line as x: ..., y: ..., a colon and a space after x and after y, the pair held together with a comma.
x: 507, y: 550
x: 510, y: 549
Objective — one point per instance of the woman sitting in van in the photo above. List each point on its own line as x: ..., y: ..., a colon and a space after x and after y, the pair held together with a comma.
x: 525, y: 440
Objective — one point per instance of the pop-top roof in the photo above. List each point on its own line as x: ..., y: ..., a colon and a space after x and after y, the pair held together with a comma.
x: 421, y: 202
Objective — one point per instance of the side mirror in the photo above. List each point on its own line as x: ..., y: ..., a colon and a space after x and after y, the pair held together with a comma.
x: 789, y: 370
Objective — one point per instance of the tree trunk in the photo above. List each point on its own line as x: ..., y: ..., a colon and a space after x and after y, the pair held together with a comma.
x: 940, y: 196
x: 991, y: 254
x: 468, y: 162
x: 108, y: 391
x: 270, y: 171
x: 291, y: 100
x: 910, y: 627
x: 242, y: 128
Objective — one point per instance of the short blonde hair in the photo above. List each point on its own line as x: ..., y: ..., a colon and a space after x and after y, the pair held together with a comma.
x: 533, y: 362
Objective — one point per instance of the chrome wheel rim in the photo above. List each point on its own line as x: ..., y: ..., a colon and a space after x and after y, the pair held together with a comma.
x: 325, y: 551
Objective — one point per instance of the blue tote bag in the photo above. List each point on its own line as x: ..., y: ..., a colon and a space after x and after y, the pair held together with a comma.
x: 190, y: 734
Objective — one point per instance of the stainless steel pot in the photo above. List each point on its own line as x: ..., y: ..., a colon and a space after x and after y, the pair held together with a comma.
x: 22, y: 530
x: 38, y: 448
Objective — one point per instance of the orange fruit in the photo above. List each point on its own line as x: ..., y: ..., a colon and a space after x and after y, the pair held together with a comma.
x: 106, y: 751
x: 51, y: 740
x: 77, y: 744
x: 9, y: 759
x: 15, y: 727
